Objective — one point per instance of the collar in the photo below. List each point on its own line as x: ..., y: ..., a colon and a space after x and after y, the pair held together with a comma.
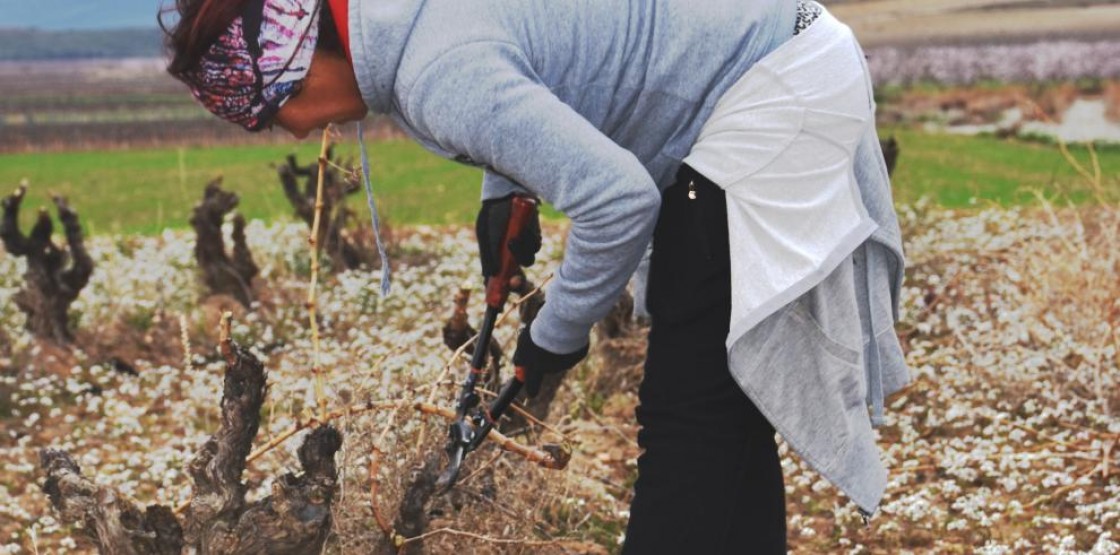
x: 379, y: 32
x: 340, y: 12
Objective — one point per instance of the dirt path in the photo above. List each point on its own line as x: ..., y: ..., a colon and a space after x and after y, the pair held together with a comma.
x: 901, y: 22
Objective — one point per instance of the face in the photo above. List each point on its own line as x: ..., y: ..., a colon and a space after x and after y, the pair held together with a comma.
x: 329, y: 94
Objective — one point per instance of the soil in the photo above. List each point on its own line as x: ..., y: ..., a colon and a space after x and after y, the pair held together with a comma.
x: 905, y: 22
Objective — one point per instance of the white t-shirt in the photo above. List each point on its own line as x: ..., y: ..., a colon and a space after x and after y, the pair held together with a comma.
x: 781, y: 143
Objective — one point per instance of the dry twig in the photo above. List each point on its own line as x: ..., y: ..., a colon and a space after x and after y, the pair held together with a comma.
x: 312, y: 303
x: 573, y: 544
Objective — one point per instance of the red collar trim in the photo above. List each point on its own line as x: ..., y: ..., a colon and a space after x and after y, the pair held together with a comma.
x: 340, y: 11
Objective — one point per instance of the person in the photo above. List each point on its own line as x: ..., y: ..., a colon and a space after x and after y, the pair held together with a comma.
x: 737, y: 136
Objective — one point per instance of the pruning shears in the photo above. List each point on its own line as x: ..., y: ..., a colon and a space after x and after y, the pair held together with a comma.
x: 473, y: 422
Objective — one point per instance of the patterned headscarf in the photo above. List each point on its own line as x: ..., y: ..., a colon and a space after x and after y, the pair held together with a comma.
x: 259, y: 63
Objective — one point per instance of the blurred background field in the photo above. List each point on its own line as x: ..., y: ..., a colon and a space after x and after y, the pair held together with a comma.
x: 148, y: 190
x: 976, y: 94
x: 145, y: 191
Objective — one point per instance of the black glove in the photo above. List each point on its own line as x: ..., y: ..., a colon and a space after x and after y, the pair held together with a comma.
x: 493, y: 219
x: 539, y: 361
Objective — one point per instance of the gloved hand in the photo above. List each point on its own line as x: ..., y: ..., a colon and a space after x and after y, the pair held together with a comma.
x: 539, y: 361
x: 493, y: 219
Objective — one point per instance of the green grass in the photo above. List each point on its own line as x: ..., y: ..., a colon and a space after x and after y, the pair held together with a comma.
x: 145, y: 191
x: 955, y: 170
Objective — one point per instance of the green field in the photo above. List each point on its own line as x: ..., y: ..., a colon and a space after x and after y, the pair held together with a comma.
x: 145, y: 191
x: 954, y: 170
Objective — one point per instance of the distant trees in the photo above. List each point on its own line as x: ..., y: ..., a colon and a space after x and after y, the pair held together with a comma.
x: 39, y: 44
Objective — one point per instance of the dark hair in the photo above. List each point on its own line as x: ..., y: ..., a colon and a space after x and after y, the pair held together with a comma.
x: 202, y: 22
x: 329, y: 41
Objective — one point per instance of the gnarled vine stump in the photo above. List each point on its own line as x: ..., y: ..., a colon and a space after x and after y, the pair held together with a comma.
x: 346, y: 249
x: 294, y: 519
x: 55, y: 275
x: 457, y: 331
x: 223, y: 273
x: 891, y: 150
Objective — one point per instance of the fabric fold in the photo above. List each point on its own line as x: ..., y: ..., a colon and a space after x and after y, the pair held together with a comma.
x: 782, y: 142
x: 814, y: 264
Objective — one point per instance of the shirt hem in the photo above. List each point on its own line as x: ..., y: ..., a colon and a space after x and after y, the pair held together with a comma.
x: 845, y: 247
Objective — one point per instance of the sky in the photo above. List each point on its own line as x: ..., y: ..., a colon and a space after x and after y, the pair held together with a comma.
x: 79, y: 14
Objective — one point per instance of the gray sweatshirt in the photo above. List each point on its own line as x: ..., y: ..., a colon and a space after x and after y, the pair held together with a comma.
x: 590, y: 104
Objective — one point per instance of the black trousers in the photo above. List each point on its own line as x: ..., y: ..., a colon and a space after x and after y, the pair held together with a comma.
x: 709, y: 479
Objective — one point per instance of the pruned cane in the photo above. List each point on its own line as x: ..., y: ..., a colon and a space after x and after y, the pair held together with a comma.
x: 472, y: 422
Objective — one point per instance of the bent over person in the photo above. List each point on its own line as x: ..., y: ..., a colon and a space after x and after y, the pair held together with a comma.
x: 736, y: 135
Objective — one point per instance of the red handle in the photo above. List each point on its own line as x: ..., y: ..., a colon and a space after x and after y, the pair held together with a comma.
x: 522, y: 209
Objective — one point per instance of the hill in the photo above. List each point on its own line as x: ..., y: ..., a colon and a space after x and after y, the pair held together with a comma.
x: 38, y: 44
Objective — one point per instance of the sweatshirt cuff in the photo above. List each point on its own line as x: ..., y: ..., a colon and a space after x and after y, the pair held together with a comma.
x: 558, y: 336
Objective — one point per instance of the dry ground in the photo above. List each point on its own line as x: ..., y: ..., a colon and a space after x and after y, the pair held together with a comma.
x: 1005, y: 442
x: 910, y: 22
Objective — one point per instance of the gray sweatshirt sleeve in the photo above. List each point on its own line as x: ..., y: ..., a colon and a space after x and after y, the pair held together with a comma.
x: 496, y: 185
x: 484, y: 101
